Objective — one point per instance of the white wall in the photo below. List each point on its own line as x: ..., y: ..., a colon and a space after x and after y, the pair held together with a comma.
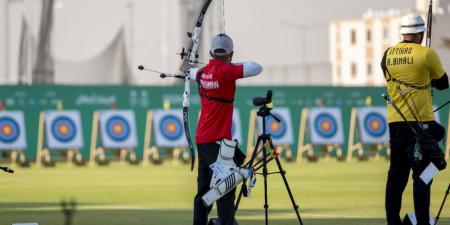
x: 296, y: 52
x: 3, y: 44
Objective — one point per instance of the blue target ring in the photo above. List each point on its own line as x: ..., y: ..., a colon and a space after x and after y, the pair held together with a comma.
x: 63, y: 129
x: 374, y: 124
x: 118, y: 128
x: 9, y: 130
x: 277, y: 130
x: 171, y: 127
x: 325, y: 125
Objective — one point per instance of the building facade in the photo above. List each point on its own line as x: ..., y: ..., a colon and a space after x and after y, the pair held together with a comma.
x: 357, y: 45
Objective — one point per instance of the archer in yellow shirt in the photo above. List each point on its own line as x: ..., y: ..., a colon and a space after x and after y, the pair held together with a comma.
x: 411, y: 70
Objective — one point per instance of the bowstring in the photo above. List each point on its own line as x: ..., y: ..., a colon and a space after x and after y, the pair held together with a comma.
x: 405, y: 94
x: 223, y: 16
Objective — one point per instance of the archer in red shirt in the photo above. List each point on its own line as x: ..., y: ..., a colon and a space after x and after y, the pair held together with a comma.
x: 217, y: 89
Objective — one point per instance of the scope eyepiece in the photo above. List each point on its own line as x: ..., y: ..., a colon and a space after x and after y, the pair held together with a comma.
x: 259, y: 101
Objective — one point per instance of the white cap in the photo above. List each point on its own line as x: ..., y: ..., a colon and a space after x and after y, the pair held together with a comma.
x: 221, y: 45
x: 412, y: 24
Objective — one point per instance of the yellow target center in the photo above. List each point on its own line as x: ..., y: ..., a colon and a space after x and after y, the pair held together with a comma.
x: 63, y: 129
x: 171, y: 128
x: 275, y: 126
x: 7, y: 130
x: 375, y: 125
x: 326, y: 126
x: 117, y: 128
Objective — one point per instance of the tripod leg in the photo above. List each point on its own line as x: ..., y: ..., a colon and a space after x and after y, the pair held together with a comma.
x: 442, y: 205
x: 294, y: 204
x: 250, y: 164
x: 265, y: 173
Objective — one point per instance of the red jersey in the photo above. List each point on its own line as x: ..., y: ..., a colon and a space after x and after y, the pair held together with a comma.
x: 217, y: 86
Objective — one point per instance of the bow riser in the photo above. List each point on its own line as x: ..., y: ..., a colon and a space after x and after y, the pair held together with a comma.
x: 196, y: 44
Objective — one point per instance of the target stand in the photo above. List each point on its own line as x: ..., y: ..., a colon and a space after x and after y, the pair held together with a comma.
x: 447, y: 148
x: 12, y: 137
x: 253, y: 134
x: 369, y: 128
x: 98, y: 152
x: 305, y: 147
x: 152, y: 152
x: 16, y: 157
x: 58, y: 132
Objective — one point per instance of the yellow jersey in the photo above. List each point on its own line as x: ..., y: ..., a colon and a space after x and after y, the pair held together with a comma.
x: 409, y: 68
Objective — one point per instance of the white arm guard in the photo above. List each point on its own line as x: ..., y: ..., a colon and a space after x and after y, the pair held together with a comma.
x: 226, y: 185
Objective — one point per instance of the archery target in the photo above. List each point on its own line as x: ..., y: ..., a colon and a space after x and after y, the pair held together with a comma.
x: 372, y: 125
x: 63, y: 129
x: 118, y: 129
x: 236, y: 128
x: 281, y: 133
x: 12, y: 130
x: 9, y: 130
x: 325, y: 126
x: 169, y: 128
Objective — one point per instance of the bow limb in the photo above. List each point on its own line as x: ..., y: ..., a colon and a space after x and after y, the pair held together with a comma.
x: 186, y: 121
x: 429, y: 23
x: 192, y: 60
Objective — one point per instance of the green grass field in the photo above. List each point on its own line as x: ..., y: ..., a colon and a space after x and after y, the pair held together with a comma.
x: 327, y: 192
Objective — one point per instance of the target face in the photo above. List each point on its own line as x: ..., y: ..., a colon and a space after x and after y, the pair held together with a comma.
x: 374, y: 124
x: 63, y: 129
x: 117, y: 128
x: 171, y: 127
x: 9, y: 130
x: 275, y: 128
x: 325, y: 125
x: 281, y: 132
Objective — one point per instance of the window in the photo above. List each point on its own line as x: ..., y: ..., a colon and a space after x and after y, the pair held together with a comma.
x: 338, y: 72
x: 369, y: 69
x: 354, y: 70
x: 369, y: 35
x: 385, y: 34
x: 353, y: 34
x: 338, y: 36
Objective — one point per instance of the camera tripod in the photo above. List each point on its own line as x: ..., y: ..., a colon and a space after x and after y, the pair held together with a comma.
x: 267, y: 150
x: 442, y: 205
